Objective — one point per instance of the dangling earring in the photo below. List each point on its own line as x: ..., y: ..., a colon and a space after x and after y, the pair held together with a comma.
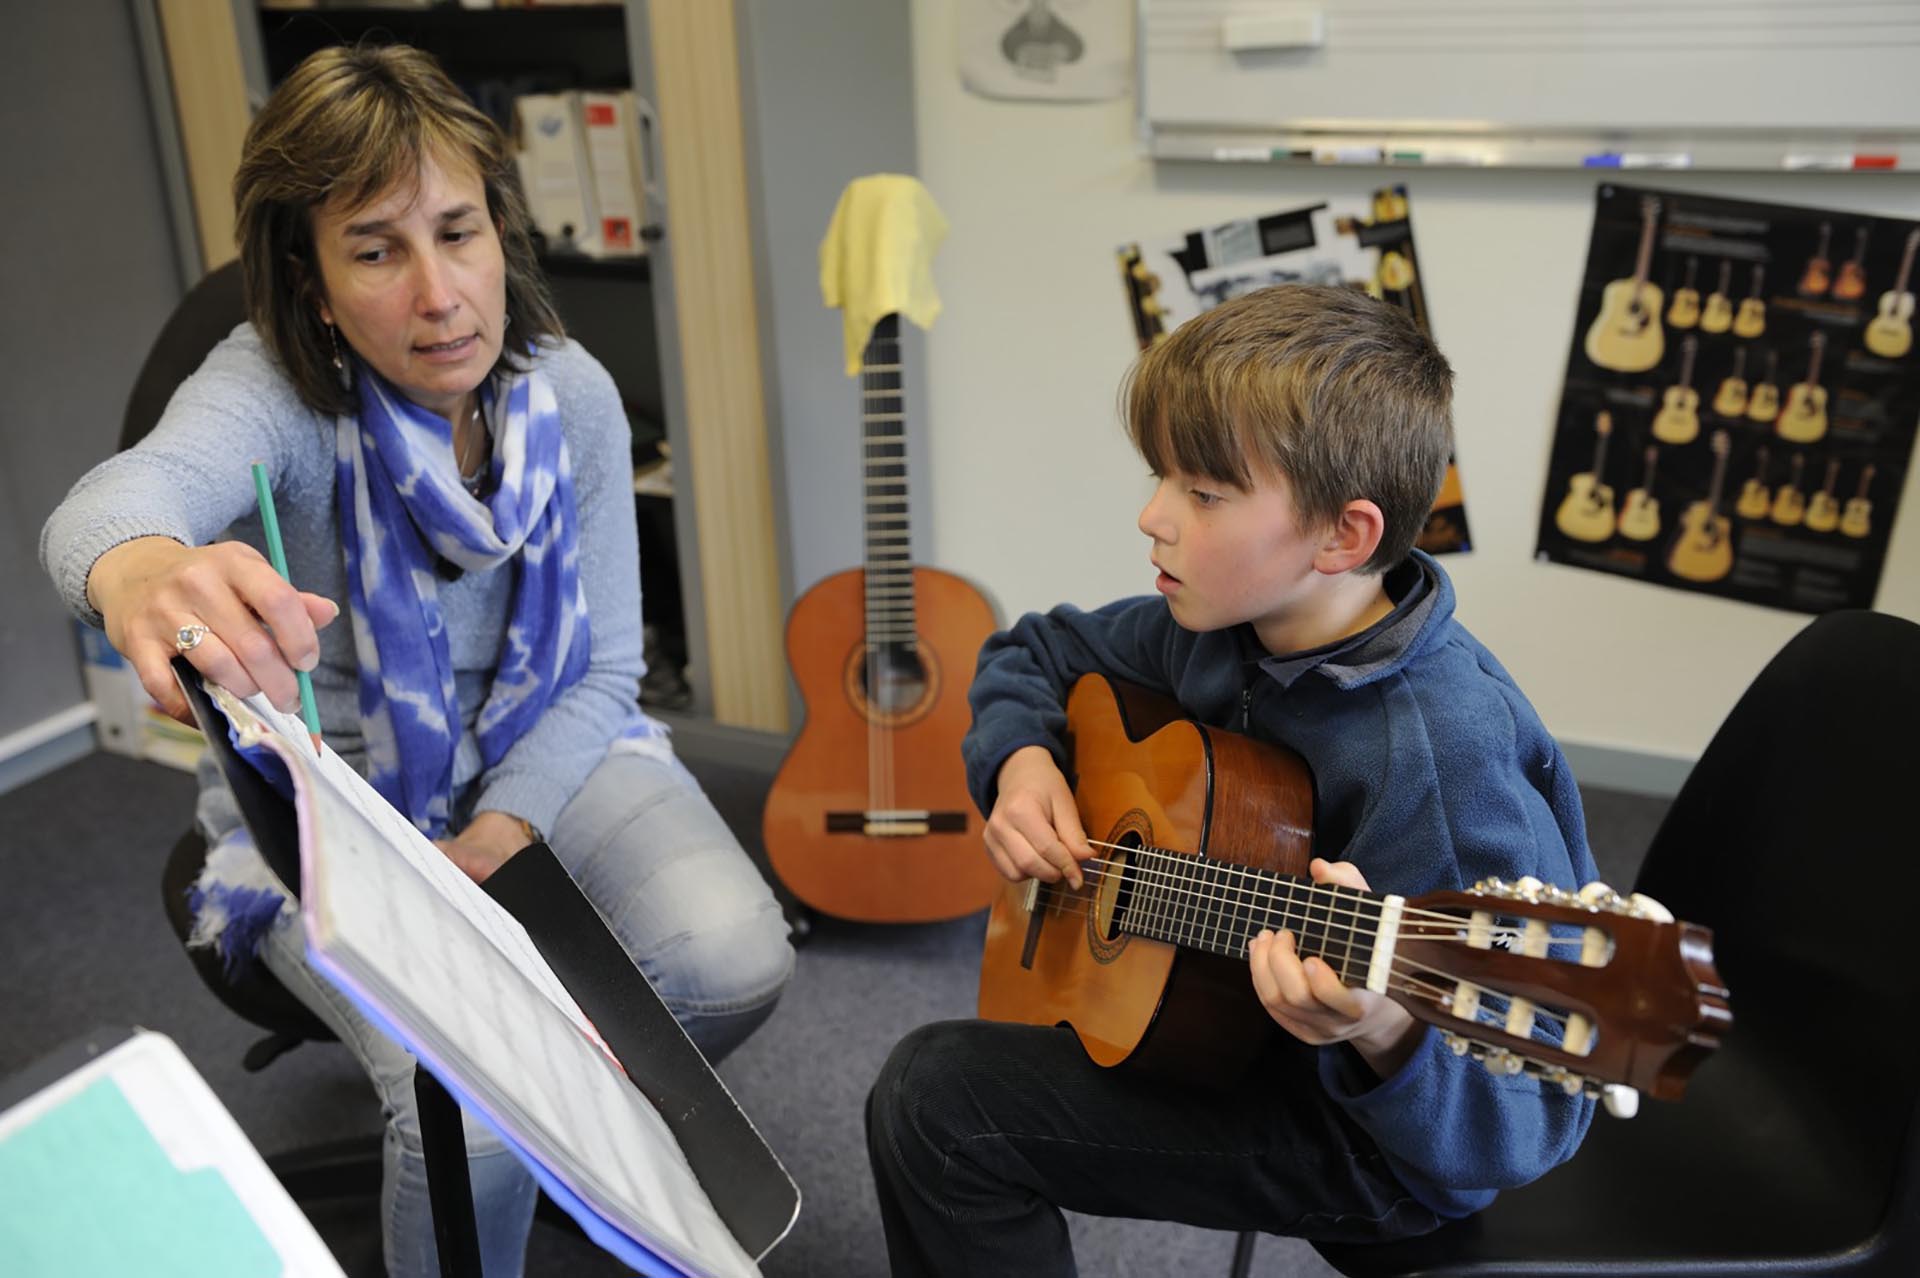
x: 333, y: 335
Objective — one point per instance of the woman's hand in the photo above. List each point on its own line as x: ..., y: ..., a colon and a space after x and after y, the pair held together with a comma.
x: 259, y: 628
x: 489, y: 842
x: 1311, y: 1004
x: 1034, y: 832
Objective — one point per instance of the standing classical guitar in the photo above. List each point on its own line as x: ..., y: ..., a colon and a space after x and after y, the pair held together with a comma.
x: 1202, y: 839
x: 869, y: 816
x: 1626, y: 335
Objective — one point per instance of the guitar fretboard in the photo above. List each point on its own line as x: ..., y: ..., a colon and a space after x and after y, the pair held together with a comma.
x: 1219, y: 907
x: 889, y: 555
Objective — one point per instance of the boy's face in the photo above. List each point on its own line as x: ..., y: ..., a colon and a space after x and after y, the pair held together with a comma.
x: 1226, y: 555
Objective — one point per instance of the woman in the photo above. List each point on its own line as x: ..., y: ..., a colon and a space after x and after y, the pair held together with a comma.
x: 451, y: 472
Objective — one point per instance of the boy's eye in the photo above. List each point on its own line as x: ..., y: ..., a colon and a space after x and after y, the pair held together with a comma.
x: 1203, y: 497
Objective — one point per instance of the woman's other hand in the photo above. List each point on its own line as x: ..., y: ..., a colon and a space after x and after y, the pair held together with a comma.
x: 489, y: 842
x: 259, y: 628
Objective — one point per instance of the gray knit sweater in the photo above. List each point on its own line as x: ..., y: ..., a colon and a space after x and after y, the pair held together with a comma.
x: 190, y: 480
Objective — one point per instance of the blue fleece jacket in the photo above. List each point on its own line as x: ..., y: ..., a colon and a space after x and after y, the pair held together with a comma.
x: 1431, y: 771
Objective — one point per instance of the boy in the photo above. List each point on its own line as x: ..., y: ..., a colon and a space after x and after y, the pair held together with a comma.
x: 1299, y: 436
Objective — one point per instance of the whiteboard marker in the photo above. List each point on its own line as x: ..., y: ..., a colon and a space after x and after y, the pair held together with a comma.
x: 1652, y: 160
x: 1817, y: 162
x: 1347, y: 155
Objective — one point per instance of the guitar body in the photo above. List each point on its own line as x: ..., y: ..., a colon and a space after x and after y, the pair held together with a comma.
x: 1685, y: 311
x: 1804, y: 419
x: 1147, y: 776
x: 1678, y: 420
x: 1789, y: 506
x: 1718, y: 317
x: 884, y: 875
x: 1858, y: 519
x: 1754, y: 501
x: 1731, y: 399
x: 1890, y: 333
x: 1704, y: 549
x: 1816, y: 278
x: 1626, y: 336
x: 1823, y: 513
x: 1765, y: 404
x: 1852, y: 283
x: 1586, y: 512
x: 1752, y: 319
x: 1640, y: 521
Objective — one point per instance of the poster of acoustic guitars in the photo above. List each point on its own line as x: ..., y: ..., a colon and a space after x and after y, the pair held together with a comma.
x: 1740, y: 401
x: 1365, y: 242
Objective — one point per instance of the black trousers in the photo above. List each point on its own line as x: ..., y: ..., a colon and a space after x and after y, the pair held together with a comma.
x: 981, y: 1133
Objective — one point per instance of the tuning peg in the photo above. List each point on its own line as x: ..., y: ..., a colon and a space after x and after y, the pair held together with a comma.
x: 1455, y: 1044
x: 1598, y: 896
x: 1645, y: 907
x: 1621, y: 1102
x: 1499, y: 1060
x: 1528, y: 888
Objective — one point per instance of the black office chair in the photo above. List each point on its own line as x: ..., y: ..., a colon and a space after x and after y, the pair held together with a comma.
x: 1796, y: 1149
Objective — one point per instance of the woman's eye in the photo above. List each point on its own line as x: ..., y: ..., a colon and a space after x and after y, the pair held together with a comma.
x: 372, y: 257
x: 459, y: 237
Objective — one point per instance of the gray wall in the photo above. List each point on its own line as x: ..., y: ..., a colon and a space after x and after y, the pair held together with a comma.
x: 829, y: 88
x: 88, y: 273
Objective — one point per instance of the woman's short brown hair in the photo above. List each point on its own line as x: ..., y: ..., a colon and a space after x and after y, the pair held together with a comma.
x: 352, y: 122
x: 1338, y: 392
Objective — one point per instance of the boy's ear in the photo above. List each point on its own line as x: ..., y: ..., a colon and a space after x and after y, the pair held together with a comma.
x: 1352, y: 538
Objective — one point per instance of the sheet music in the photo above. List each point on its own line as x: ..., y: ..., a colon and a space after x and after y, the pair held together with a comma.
x: 457, y: 978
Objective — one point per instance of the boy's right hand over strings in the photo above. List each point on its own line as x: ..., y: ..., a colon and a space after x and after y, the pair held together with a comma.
x: 1034, y: 832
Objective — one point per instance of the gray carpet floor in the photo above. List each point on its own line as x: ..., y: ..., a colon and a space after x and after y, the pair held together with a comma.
x: 84, y: 944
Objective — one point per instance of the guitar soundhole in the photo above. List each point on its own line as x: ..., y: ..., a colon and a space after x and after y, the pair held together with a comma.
x: 1113, y: 890
x: 892, y: 683
x: 896, y: 678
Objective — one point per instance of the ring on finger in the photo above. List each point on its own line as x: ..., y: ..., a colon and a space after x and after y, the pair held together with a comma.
x: 187, y: 638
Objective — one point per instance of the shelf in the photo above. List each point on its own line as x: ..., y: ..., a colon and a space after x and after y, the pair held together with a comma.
x: 579, y: 265
x: 538, y: 49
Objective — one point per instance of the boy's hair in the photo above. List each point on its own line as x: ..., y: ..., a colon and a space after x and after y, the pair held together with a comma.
x: 352, y: 123
x: 1341, y: 394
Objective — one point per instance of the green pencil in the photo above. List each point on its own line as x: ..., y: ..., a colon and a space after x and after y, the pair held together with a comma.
x: 278, y: 553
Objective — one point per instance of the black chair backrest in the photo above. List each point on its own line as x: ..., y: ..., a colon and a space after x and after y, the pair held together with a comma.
x: 211, y: 309
x: 1792, y: 839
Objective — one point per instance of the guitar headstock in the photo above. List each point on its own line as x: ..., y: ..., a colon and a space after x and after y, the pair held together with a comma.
x: 1589, y: 991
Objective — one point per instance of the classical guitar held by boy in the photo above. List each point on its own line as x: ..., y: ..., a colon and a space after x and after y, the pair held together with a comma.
x: 1202, y: 839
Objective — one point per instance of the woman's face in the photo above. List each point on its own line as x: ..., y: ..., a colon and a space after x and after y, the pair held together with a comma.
x: 415, y: 279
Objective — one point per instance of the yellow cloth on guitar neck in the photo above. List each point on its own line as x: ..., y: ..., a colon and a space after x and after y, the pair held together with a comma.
x: 877, y: 257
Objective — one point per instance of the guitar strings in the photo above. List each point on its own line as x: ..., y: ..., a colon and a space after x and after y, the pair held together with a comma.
x: 1409, y: 974
x: 1401, y: 967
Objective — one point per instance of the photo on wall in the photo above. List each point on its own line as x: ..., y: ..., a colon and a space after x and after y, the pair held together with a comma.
x: 1364, y: 243
x: 1740, y: 402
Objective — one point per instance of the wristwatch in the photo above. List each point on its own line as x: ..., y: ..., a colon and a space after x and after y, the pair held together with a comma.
x: 530, y: 832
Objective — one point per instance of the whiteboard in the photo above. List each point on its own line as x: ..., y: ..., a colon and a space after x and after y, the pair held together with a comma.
x: 1770, y: 72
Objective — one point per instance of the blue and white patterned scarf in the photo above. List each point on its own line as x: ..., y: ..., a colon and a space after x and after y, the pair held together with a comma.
x: 402, y: 509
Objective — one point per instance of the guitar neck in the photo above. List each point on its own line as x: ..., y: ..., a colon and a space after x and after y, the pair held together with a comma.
x: 1906, y: 262
x: 1650, y: 213
x: 1218, y: 907
x: 888, y: 540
